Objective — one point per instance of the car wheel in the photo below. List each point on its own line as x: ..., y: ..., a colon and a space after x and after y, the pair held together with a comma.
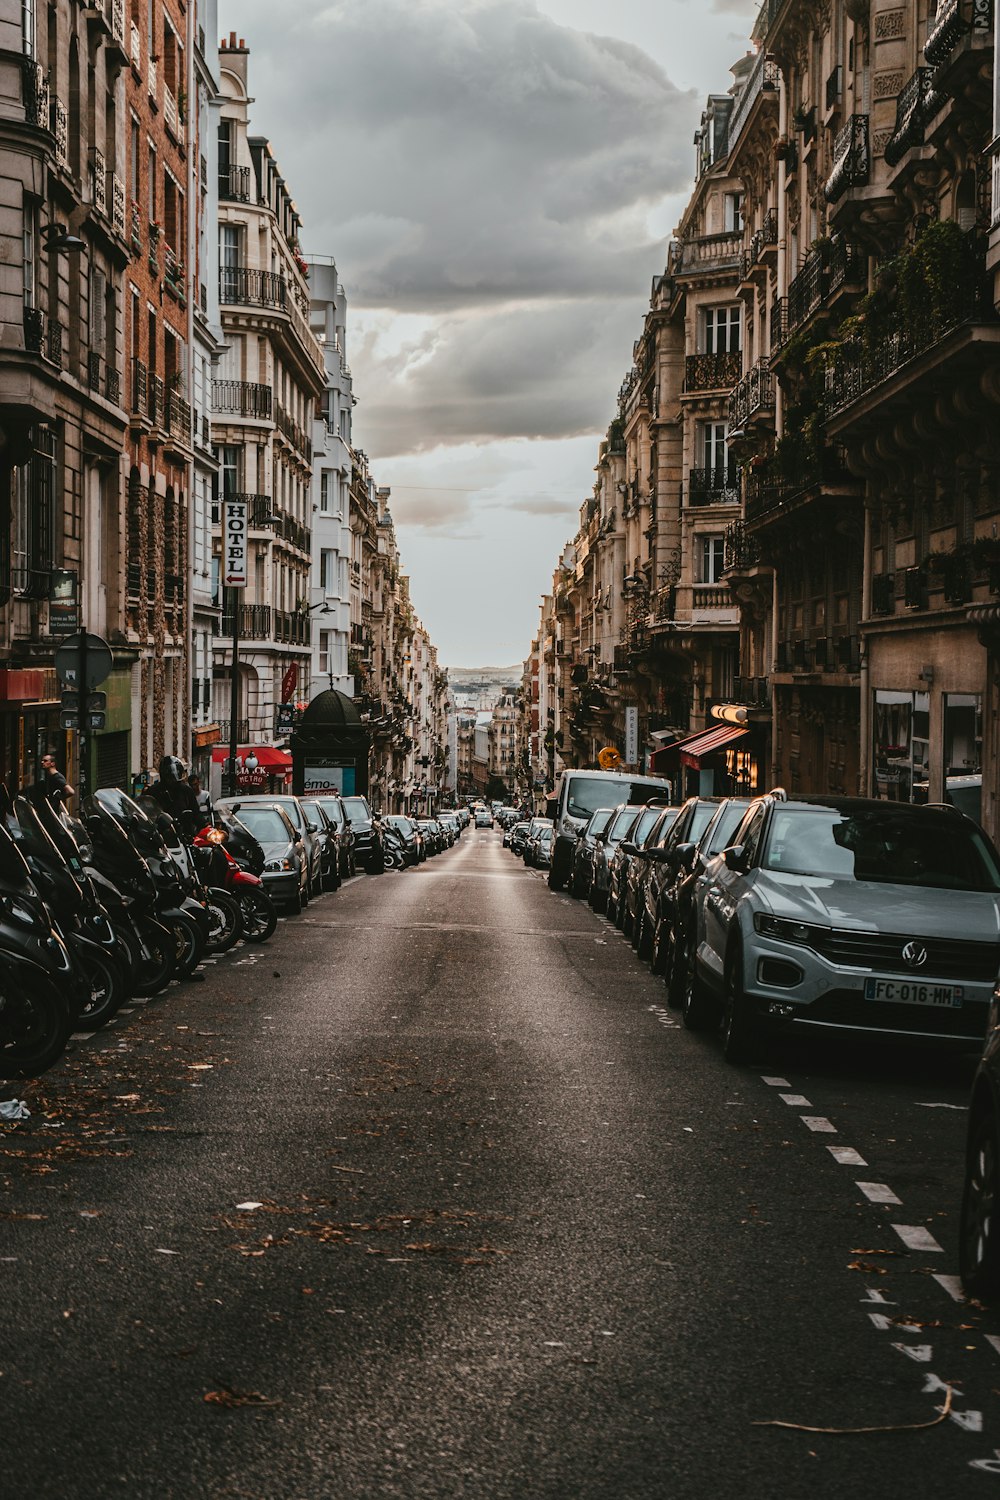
x: 598, y: 899
x: 700, y: 1010
x: 626, y: 923
x: 658, y: 957
x: 738, y: 1028
x: 979, y: 1243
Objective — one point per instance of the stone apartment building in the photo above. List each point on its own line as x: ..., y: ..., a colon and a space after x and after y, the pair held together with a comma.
x: 850, y: 466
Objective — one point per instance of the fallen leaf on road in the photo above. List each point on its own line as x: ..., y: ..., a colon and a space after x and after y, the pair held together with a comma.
x: 897, y: 1427
x: 880, y: 1252
x: 868, y: 1267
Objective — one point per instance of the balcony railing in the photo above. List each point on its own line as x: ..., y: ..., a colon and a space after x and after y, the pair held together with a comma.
x: 117, y: 191
x: 779, y: 323
x: 742, y: 549
x: 34, y: 330
x: 241, y: 286
x: 856, y: 370
x: 764, y: 77
x: 59, y: 125
x: 915, y: 106
x: 761, y: 241
x: 135, y: 48
x: 777, y: 482
x: 254, y: 622
x: 752, y: 692
x: 291, y: 430
x: 717, y: 486
x: 234, y: 185
x: 712, y: 372
x: 806, y: 292
x: 852, y: 159
x: 98, y: 180
x: 242, y: 398
x: 953, y: 20
x: 755, y: 393
x: 35, y: 94
x: 177, y: 415
x: 242, y: 728
x: 704, y: 252
x: 154, y: 399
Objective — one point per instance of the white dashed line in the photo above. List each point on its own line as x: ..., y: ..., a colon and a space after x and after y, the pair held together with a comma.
x: 992, y: 1339
x: 799, y: 1100
x: 878, y: 1192
x: 776, y: 1083
x: 847, y: 1156
x: 819, y: 1123
x: 916, y: 1237
x: 952, y: 1285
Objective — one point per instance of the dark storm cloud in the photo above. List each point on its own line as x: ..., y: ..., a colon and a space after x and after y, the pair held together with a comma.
x: 457, y: 154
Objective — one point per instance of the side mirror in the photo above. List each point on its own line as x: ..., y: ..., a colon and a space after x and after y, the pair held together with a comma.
x: 737, y: 859
x: 684, y: 854
x: 627, y: 847
x: 313, y: 827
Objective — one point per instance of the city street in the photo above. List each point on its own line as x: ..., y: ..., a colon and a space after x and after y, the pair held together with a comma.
x: 433, y: 1196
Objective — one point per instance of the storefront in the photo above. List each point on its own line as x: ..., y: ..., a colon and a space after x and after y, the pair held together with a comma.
x: 721, y: 761
x: 29, y: 726
x: 259, y: 769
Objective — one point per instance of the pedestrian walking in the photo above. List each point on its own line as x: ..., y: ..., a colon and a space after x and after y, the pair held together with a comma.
x: 52, y: 782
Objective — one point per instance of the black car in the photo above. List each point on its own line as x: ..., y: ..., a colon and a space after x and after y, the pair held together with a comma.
x: 651, y: 851
x: 328, y: 842
x: 691, y: 861
x: 409, y: 835
x: 360, y: 815
x: 636, y: 837
x: 656, y: 914
x: 336, y: 813
x: 581, y: 869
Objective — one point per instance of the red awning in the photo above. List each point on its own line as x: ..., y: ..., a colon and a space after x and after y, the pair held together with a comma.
x: 668, y: 756
x: 694, y: 750
x: 269, y: 757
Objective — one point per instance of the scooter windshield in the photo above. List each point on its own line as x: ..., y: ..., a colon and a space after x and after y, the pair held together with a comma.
x: 110, y: 843
x: 57, y: 825
x: 41, y: 853
x: 141, y: 831
x: 14, y: 873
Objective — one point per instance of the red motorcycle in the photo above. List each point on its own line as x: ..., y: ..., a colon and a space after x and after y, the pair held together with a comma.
x: 256, y: 907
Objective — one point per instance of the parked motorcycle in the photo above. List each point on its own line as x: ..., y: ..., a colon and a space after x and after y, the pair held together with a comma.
x: 37, y: 1015
x: 129, y: 894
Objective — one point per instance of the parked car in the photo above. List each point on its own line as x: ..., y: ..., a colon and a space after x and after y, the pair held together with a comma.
x: 333, y: 807
x: 534, y: 833
x: 300, y: 821
x: 656, y: 913
x: 635, y: 837
x: 450, y: 821
x: 692, y: 860
x: 541, y: 857
x: 979, y: 1231
x: 286, y: 871
x: 484, y: 818
x: 580, y: 793
x: 649, y: 852
x: 360, y: 815
x: 329, y: 837
x: 583, y: 854
x: 876, y: 918
x: 519, y: 837
x: 603, y: 851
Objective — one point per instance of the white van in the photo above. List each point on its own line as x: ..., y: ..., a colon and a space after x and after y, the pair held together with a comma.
x: 580, y: 793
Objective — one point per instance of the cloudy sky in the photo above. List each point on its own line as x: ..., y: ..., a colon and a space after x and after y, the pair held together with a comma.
x: 497, y: 180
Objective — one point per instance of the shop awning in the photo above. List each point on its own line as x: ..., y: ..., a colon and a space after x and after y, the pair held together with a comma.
x: 269, y: 757
x: 667, y: 757
x: 695, y: 750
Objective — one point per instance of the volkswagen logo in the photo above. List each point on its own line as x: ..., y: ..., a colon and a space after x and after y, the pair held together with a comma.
x: 914, y: 955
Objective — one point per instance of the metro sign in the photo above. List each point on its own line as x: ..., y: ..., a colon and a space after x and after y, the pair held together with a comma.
x: 234, y: 543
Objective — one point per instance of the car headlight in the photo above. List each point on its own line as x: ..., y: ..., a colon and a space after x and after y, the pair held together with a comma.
x: 273, y: 866
x: 783, y: 928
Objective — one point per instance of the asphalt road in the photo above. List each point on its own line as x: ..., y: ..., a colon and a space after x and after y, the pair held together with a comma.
x: 433, y: 1197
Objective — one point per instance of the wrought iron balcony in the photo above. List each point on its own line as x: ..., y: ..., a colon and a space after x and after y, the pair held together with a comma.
x: 177, y: 415
x: 806, y: 292
x: 116, y: 188
x: 852, y: 159
x: 953, y: 20
x: 712, y: 372
x: 779, y: 481
x: 764, y: 77
x: 290, y: 429
x: 254, y: 622
x: 763, y: 239
x: 753, y: 395
x: 752, y: 692
x: 742, y: 550
x: 241, y: 286
x: 242, y: 398
x: 716, y: 486
x: 779, y: 323
x: 234, y: 184
x: 98, y: 180
x: 34, y: 330
x: 915, y: 106
x: 59, y: 125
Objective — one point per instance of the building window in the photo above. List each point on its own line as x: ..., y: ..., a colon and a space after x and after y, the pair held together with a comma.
x: 33, y: 519
x: 720, y: 330
x: 324, y: 652
x: 712, y: 551
x: 714, y: 455
x: 231, y: 463
x: 732, y: 211
x: 328, y: 570
x: 133, y: 159
x: 29, y: 252
x: 324, y: 491
x: 901, y: 746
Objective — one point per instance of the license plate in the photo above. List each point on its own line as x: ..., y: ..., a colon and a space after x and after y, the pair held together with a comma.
x: 915, y: 992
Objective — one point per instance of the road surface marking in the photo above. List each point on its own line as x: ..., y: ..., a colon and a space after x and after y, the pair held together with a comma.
x: 776, y: 1083
x: 847, y: 1156
x: 819, y: 1123
x: 952, y: 1285
x: 797, y: 1099
x: 878, y: 1192
x: 921, y: 1353
x: 916, y: 1237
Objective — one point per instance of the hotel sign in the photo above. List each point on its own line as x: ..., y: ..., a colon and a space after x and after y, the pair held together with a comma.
x: 234, y: 543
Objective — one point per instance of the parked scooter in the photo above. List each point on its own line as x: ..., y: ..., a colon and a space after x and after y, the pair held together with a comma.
x: 37, y: 1015
x: 176, y: 907
x: 221, y: 844
x: 119, y: 871
x: 392, y: 846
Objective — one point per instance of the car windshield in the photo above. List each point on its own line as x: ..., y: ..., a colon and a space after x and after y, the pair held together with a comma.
x: 890, y: 846
x: 357, y: 810
x: 599, y: 821
x: 332, y: 809
x: 700, y: 819
x: 545, y: 835
x: 265, y: 823
x: 588, y: 793
x: 658, y: 838
x: 725, y: 825
x: 624, y: 819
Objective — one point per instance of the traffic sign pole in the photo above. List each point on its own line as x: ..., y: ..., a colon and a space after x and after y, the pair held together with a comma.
x: 81, y: 771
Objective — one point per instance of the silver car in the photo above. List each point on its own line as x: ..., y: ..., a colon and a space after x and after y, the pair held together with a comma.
x: 301, y: 821
x: 841, y: 914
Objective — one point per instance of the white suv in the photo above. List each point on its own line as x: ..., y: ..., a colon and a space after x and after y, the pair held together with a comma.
x: 879, y: 918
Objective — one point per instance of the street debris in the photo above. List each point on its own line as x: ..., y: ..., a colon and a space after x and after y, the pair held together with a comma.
x: 230, y: 1397
x: 14, y: 1109
x: 943, y: 1416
